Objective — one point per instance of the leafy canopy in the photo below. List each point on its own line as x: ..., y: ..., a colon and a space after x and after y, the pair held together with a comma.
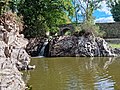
x: 44, y: 15
x: 86, y: 8
x: 115, y: 9
x: 4, y: 6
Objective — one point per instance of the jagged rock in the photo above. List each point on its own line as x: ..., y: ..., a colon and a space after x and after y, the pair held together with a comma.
x: 89, y: 46
x: 117, y: 51
x: 104, y: 48
x: 34, y: 46
x: 23, y: 59
x: 13, y: 56
x: 10, y: 77
x: 64, y: 46
x: 12, y: 43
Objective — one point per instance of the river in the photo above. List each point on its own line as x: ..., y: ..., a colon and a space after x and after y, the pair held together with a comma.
x: 75, y: 73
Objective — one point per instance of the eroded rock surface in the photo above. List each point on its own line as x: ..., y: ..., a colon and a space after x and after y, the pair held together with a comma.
x: 10, y: 77
x: 89, y: 46
x: 12, y: 53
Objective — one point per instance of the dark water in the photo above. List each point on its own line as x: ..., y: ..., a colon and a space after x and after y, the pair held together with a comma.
x: 71, y: 73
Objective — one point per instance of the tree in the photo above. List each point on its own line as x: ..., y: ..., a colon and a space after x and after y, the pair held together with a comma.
x: 13, y: 4
x: 111, y: 2
x: 115, y: 9
x: 8, y: 5
x: 86, y: 7
x: 4, y: 6
x: 44, y: 15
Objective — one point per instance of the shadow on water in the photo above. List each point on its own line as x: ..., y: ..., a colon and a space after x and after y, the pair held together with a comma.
x: 75, y: 73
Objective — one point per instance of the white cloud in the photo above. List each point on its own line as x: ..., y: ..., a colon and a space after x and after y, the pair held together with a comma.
x: 104, y: 8
x: 105, y: 20
x: 79, y: 12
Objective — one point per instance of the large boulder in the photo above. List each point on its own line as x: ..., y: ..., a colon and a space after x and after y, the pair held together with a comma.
x: 63, y: 46
x: 89, y: 46
x: 117, y: 51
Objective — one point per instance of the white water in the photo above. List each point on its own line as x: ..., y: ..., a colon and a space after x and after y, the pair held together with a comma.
x: 42, y: 51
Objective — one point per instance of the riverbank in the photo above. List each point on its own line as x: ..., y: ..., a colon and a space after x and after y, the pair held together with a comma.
x: 64, y: 46
x: 114, y: 45
x: 13, y: 56
x: 113, y: 42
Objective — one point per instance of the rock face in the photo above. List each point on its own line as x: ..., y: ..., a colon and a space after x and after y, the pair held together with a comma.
x: 89, y: 46
x: 35, y: 45
x: 12, y: 53
x: 117, y: 51
x: 10, y: 77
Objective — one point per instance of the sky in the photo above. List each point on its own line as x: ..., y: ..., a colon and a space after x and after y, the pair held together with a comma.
x: 103, y: 15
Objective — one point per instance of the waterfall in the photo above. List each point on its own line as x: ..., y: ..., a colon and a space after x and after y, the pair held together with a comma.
x: 42, y: 51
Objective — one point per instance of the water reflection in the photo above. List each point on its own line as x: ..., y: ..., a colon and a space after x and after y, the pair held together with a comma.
x: 75, y: 73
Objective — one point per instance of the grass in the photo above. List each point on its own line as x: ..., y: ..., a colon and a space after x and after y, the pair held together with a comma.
x: 115, y: 45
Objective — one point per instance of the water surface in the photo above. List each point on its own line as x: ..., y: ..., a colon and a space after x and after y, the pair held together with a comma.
x: 75, y: 73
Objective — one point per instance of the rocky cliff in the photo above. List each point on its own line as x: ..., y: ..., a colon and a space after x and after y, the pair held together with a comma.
x: 13, y: 57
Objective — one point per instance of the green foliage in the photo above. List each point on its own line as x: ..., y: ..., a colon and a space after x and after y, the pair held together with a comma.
x: 89, y: 27
x: 8, y: 5
x: 86, y: 8
x: 116, y: 11
x: 111, y: 3
x: 4, y: 6
x: 40, y: 15
x: 114, y: 45
x: 44, y: 15
x: 68, y: 32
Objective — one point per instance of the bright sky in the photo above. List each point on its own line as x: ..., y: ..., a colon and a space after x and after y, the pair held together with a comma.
x: 103, y: 15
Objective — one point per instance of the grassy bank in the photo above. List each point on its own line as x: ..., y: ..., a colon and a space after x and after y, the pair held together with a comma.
x: 114, y: 45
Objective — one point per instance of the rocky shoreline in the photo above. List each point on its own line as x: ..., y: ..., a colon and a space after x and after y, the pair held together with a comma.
x: 89, y: 46
x: 13, y: 56
x: 13, y: 47
x: 67, y: 46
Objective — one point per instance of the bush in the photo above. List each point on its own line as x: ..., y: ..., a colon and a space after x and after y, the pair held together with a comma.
x: 89, y: 27
x: 12, y: 18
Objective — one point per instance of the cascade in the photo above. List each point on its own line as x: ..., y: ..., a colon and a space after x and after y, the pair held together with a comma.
x: 42, y: 50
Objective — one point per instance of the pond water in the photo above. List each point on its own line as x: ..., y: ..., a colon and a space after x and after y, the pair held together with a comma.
x: 75, y: 73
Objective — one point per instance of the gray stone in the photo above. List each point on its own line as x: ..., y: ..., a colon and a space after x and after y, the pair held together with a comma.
x: 13, y: 56
x: 10, y: 77
x: 89, y: 46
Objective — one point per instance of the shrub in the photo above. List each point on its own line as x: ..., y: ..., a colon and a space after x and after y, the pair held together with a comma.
x: 89, y: 27
x: 12, y: 18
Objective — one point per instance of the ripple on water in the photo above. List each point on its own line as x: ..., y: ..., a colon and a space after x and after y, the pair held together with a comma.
x: 104, y: 82
x: 75, y: 74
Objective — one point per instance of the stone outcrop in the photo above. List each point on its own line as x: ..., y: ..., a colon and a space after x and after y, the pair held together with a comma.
x: 89, y: 46
x: 13, y: 57
x: 117, y: 51
x: 35, y: 45
x: 10, y: 77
